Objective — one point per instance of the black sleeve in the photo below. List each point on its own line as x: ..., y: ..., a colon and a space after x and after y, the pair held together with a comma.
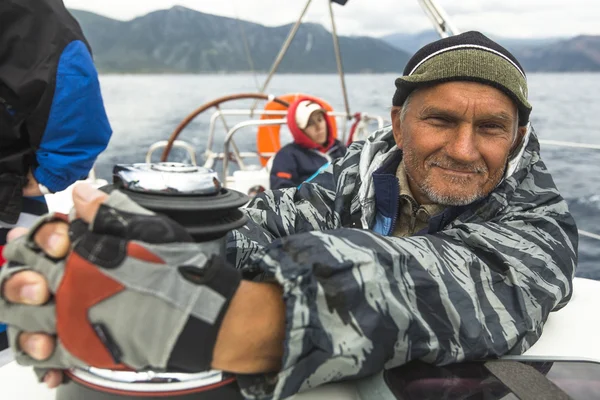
x: 33, y: 34
x: 284, y: 172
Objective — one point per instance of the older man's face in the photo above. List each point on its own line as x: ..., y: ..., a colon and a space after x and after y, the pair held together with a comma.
x: 456, y: 138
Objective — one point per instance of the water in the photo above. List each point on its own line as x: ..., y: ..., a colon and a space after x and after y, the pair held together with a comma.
x: 146, y: 108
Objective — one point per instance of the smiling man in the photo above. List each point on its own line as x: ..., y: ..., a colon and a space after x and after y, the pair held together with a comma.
x: 444, y: 240
x: 455, y: 138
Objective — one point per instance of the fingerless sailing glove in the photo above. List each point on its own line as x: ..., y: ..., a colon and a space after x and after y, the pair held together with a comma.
x: 135, y: 292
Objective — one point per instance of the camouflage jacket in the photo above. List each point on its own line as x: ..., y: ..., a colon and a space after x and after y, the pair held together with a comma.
x: 479, y: 283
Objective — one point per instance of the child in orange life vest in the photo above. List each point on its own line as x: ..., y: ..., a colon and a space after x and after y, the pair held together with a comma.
x: 314, y: 145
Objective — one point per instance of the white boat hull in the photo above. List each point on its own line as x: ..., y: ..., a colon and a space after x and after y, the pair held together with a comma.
x: 571, y: 332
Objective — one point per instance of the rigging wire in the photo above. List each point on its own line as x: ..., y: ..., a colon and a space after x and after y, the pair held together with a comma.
x: 282, y: 51
x: 246, y: 45
x: 340, y: 67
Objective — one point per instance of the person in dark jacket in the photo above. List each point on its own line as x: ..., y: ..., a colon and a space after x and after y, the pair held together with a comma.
x: 52, y: 119
x: 313, y: 148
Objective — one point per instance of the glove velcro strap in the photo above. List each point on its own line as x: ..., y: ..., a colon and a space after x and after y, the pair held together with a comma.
x: 193, y: 350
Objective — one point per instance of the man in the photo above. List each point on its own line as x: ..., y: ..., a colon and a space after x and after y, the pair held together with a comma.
x: 52, y: 119
x: 491, y: 250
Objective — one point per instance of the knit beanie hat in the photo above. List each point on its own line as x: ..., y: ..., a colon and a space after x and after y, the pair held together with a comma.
x: 470, y: 56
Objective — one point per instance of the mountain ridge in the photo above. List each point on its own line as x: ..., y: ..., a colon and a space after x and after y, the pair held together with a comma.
x: 555, y: 54
x: 182, y: 40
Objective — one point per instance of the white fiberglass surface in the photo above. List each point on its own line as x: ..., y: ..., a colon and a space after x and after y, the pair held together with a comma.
x: 570, y: 332
x: 573, y: 330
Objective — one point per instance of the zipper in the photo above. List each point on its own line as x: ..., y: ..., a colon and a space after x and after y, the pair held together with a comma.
x: 395, y: 217
x: 413, y: 217
x: 413, y: 203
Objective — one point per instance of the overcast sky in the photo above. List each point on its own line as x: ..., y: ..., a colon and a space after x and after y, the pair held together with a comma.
x: 510, y: 18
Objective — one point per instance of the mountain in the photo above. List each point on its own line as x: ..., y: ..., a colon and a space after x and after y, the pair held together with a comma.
x: 579, y: 54
x: 413, y: 42
x: 181, y: 40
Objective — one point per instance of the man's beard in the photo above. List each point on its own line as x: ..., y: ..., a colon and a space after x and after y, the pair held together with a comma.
x: 460, y: 199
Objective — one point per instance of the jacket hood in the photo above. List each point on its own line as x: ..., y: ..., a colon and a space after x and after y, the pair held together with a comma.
x: 300, y: 137
x: 380, y: 146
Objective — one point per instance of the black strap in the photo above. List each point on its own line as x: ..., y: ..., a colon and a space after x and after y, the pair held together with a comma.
x: 526, y: 382
x: 3, y: 340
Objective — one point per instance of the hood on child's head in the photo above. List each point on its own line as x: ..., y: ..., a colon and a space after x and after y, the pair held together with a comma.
x: 304, y: 111
x: 297, y: 119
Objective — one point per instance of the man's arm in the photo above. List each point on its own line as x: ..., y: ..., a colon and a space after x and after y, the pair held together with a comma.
x: 250, y: 340
x: 312, y: 207
x: 278, y: 213
x: 356, y: 302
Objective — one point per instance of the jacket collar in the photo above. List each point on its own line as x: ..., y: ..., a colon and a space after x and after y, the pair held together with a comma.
x: 386, y: 186
x: 387, y: 192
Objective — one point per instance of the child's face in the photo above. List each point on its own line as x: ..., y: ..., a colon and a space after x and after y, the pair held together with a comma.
x: 317, y: 128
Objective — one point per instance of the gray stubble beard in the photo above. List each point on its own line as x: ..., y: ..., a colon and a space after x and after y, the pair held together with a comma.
x: 426, y: 186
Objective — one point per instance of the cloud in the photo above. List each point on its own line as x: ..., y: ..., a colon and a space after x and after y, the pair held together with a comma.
x: 509, y: 18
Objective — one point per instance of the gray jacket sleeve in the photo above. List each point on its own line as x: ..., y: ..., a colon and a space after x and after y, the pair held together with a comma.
x: 357, y: 302
x: 280, y: 213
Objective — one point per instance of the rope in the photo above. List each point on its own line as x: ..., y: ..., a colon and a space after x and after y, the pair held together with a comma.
x: 357, y: 117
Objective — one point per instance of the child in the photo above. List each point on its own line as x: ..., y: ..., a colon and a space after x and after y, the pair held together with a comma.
x: 314, y: 145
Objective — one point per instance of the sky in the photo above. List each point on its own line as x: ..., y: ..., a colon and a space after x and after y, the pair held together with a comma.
x: 508, y: 18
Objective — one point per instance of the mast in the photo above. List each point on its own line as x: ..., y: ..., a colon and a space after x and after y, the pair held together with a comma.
x: 439, y: 18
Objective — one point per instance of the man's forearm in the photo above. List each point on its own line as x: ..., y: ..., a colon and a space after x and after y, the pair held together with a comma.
x: 250, y: 339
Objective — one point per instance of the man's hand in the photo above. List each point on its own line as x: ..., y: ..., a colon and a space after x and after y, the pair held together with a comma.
x: 31, y: 288
x: 122, y: 298
x: 31, y: 189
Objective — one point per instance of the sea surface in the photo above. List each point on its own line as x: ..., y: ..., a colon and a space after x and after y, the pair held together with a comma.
x: 144, y: 109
